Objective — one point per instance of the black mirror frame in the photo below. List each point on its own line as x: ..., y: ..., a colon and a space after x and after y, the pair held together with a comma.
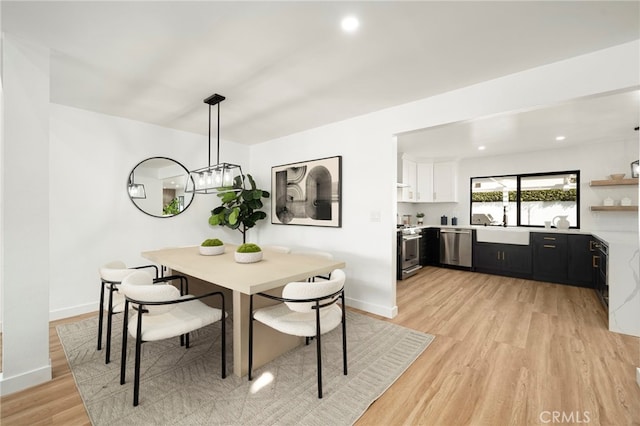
x: 158, y: 158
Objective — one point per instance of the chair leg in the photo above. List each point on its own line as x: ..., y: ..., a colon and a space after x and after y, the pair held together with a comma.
x: 107, y: 357
x: 123, y: 358
x: 250, y: 335
x: 100, y: 314
x: 344, y: 335
x: 224, y: 341
x: 318, y: 350
x: 136, y: 378
x: 319, y: 356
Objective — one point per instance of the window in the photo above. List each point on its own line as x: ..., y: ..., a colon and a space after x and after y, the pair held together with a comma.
x: 526, y: 199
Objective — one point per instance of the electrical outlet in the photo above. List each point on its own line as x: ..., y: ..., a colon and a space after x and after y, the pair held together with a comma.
x: 374, y: 216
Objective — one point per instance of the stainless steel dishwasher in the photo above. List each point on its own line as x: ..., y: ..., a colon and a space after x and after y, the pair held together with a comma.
x: 455, y: 247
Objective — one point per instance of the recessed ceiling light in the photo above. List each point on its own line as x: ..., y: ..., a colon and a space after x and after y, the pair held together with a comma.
x: 350, y: 24
x: 481, y: 148
x: 560, y: 138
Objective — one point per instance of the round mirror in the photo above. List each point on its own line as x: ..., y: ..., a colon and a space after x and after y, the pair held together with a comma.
x: 156, y: 187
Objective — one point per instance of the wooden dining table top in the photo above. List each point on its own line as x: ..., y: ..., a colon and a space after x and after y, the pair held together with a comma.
x: 276, y: 269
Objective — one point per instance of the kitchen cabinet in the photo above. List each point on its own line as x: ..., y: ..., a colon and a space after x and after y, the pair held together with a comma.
x: 445, y: 182
x: 425, y: 182
x: 549, y: 257
x: 512, y: 260
x: 563, y: 258
x: 430, y: 250
x: 581, y: 252
x: 409, y: 179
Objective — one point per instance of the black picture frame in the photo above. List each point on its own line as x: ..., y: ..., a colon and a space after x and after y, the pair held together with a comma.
x: 307, y: 193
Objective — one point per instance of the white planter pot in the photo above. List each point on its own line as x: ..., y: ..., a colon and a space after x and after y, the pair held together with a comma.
x: 211, y: 250
x: 248, y: 257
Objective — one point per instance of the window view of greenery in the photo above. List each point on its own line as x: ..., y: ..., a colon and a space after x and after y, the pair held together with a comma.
x: 542, y: 198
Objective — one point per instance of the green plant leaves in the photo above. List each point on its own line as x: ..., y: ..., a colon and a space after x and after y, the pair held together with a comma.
x: 527, y: 195
x: 233, y: 215
x: 239, y: 207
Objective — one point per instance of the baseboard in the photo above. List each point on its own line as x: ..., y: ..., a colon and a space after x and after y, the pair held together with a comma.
x: 372, y: 308
x: 9, y: 385
x: 73, y: 311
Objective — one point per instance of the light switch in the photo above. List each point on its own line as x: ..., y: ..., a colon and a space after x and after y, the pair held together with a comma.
x: 375, y: 216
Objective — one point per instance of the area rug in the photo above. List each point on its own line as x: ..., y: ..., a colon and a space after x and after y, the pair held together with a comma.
x: 183, y: 386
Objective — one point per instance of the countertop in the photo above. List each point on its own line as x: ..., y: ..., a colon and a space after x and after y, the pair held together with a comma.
x: 618, y: 237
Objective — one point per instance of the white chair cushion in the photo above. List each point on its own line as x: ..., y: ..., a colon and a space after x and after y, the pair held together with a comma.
x: 150, y: 293
x: 183, y: 318
x: 307, y: 290
x: 283, y: 319
x: 116, y: 271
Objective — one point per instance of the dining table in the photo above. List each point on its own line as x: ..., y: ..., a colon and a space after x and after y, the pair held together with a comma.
x: 240, y: 280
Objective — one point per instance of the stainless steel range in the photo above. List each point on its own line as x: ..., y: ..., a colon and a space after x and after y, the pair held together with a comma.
x: 410, y: 252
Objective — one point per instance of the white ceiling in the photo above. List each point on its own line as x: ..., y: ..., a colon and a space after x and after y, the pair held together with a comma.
x: 606, y: 118
x: 286, y: 66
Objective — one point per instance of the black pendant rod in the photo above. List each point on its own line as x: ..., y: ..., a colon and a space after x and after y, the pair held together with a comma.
x: 214, y: 99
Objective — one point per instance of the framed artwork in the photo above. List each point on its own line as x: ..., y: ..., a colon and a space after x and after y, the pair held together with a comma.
x: 307, y: 193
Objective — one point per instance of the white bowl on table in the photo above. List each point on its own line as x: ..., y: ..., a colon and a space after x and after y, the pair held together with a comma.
x: 248, y: 257
x: 211, y: 250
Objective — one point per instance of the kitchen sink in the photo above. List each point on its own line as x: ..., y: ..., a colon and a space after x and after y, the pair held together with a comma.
x: 497, y: 234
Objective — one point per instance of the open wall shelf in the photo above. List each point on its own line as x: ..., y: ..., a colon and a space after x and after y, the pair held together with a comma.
x: 614, y: 182
x: 614, y: 208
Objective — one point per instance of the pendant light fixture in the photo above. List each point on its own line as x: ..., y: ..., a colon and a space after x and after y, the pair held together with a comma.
x: 220, y: 177
x: 136, y: 190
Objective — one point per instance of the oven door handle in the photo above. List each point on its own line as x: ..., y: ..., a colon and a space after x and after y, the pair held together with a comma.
x: 407, y: 238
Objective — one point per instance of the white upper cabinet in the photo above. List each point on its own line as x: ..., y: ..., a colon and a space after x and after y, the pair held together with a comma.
x: 427, y: 182
x: 409, y: 178
x: 424, y: 182
x: 445, y: 182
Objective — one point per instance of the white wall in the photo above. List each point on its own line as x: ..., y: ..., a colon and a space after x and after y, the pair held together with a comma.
x: 24, y: 231
x: 369, y: 159
x: 595, y: 161
x: 92, y: 155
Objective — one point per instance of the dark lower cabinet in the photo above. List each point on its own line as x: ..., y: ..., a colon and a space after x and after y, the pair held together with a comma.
x: 563, y: 258
x: 430, y: 249
x: 549, y: 257
x: 581, y: 260
x: 502, y: 259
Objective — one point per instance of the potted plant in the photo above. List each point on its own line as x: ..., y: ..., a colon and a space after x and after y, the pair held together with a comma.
x: 248, y: 253
x: 211, y: 247
x: 240, y: 208
x: 420, y: 217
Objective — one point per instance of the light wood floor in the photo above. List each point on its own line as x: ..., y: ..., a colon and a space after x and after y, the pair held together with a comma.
x: 507, y: 352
